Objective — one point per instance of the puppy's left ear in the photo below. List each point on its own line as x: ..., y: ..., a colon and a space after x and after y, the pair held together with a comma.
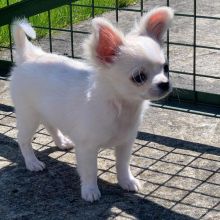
x: 155, y: 23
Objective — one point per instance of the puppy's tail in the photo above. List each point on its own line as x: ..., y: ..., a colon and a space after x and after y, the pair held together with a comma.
x: 25, y: 50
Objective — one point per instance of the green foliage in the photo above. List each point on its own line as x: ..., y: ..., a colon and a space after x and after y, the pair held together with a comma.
x: 60, y: 17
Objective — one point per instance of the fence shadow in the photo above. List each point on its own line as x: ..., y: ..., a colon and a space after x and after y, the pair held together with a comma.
x: 55, y: 192
x: 6, y: 108
x: 178, y: 143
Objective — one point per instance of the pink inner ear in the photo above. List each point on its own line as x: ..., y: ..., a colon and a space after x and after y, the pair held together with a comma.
x: 156, y: 24
x: 108, y: 44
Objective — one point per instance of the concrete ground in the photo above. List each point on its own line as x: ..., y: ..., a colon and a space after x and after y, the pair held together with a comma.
x: 176, y: 156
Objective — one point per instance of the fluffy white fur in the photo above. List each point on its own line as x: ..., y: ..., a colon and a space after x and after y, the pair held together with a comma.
x: 94, y: 104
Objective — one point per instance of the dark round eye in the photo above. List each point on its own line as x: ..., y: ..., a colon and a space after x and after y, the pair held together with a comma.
x: 139, y: 78
x: 166, y: 68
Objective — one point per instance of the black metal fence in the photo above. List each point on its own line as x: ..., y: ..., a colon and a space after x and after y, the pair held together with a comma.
x: 191, y: 81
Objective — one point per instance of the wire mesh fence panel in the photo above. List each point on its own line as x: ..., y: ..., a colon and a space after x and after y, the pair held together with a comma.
x: 192, y: 43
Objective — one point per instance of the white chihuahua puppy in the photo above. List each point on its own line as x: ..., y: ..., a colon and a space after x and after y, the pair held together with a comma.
x: 93, y: 105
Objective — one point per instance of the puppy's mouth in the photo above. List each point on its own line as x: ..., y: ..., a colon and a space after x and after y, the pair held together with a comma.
x: 157, y: 94
x: 164, y: 94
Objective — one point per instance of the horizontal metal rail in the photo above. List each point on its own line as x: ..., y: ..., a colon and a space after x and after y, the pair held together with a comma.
x: 192, y: 45
x: 189, y: 107
x: 29, y: 8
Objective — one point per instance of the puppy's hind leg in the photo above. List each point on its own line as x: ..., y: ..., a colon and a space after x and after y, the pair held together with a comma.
x: 60, y: 140
x: 27, y: 124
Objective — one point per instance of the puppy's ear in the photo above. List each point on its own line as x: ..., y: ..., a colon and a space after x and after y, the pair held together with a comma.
x: 106, y: 39
x: 155, y: 23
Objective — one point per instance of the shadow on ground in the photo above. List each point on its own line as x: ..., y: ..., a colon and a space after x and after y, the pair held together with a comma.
x: 55, y: 193
x: 6, y: 108
x: 177, y: 143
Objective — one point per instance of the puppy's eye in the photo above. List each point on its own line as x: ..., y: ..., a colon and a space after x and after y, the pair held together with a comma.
x: 166, y: 68
x: 139, y: 78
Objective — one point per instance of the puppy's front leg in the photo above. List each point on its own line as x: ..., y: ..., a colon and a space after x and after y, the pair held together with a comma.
x: 125, y: 178
x: 87, y: 168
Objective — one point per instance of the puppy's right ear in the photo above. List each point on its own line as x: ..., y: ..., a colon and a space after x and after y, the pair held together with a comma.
x: 155, y: 23
x: 105, y: 41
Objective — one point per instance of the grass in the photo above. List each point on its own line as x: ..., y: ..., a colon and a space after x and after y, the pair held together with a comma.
x: 60, y: 17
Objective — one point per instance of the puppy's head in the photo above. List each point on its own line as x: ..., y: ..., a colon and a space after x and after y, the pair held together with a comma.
x: 134, y: 63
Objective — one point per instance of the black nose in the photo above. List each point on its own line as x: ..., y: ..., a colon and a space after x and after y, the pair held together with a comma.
x: 164, y: 86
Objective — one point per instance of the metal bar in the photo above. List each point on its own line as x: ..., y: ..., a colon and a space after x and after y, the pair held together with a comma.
x: 197, y: 16
x: 181, y: 72
x: 202, y: 97
x: 10, y: 40
x: 61, y: 29
x: 192, y: 45
x: 4, y: 47
x: 210, y: 111
x: 194, y: 53
x: 191, y: 74
x: 207, y: 17
x: 100, y: 7
x: 50, y: 31
x: 171, y: 71
x: 142, y: 7
x: 108, y: 8
x: 28, y: 8
x: 168, y: 40
x: 116, y: 10
x: 71, y: 28
x: 93, y: 8
x: 210, y: 77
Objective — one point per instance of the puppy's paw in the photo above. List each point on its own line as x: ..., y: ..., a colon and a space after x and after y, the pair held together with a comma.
x: 34, y: 165
x: 130, y: 184
x: 90, y: 193
x: 65, y: 143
